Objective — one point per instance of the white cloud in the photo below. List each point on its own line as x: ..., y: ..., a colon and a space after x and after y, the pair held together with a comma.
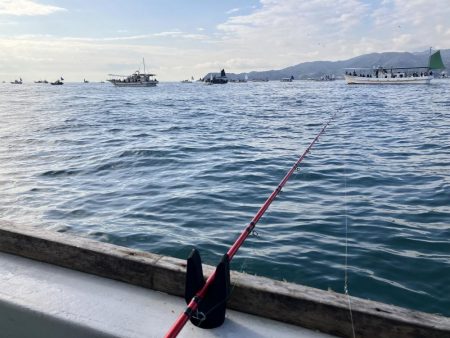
x: 275, y: 34
x: 286, y: 31
x: 169, y: 34
x: 423, y: 21
x: 233, y: 10
x: 291, y: 31
x: 26, y: 8
x: 47, y: 57
x: 179, y: 34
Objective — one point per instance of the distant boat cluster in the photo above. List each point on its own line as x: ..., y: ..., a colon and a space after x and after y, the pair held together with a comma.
x: 374, y: 75
x: 57, y: 82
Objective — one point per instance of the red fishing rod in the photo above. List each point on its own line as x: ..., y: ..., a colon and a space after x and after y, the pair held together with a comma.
x: 194, y: 270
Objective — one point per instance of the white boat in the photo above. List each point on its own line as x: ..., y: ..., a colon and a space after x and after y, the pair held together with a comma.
x: 287, y: 79
x: 327, y: 78
x: 395, y: 75
x: 137, y: 79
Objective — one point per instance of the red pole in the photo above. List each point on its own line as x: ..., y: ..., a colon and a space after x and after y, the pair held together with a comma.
x: 193, y: 304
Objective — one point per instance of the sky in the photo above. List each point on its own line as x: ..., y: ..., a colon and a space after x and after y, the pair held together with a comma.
x: 46, y: 39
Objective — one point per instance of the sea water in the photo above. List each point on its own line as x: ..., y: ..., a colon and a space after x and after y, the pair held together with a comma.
x: 178, y: 166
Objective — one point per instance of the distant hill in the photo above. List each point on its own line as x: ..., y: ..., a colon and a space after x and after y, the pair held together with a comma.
x: 316, y: 69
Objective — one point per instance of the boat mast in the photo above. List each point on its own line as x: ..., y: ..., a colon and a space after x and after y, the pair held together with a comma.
x: 143, y: 61
x: 429, y: 59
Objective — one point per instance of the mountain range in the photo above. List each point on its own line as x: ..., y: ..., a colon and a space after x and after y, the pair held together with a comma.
x: 317, y: 69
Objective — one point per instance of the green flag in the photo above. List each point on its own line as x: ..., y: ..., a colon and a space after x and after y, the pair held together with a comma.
x: 436, y: 61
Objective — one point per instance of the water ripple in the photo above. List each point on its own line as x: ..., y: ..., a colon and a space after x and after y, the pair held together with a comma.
x: 176, y: 166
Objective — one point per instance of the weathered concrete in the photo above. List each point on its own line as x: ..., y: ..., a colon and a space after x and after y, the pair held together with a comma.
x: 295, y: 304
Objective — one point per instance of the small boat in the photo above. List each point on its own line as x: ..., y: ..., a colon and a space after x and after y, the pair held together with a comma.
x: 209, y: 81
x: 287, y: 79
x: 213, y: 79
x: 188, y: 81
x: 17, y: 81
x: 41, y: 81
x: 137, y: 79
x: 57, y: 82
x: 326, y: 78
x: 244, y: 80
x: 396, y: 75
x: 260, y: 80
x: 85, y: 81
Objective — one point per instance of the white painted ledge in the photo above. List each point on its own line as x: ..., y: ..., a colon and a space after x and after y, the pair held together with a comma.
x: 43, y: 300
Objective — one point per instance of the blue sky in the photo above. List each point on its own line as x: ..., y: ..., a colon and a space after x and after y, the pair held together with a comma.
x: 180, y: 38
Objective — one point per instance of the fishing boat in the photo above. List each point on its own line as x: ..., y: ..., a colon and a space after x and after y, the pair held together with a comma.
x: 326, y: 78
x: 209, y: 81
x: 58, y: 82
x: 17, y: 81
x: 287, y: 79
x: 213, y: 79
x: 85, y: 81
x: 41, y: 81
x: 137, y: 79
x: 260, y: 80
x: 188, y: 81
x: 396, y: 75
x: 244, y: 80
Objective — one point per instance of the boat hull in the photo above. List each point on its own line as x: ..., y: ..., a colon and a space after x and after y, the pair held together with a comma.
x: 67, y: 296
x: 350, y: 79
x: 134, y: 84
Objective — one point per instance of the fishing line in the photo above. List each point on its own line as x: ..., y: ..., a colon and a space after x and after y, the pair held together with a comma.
x: 346, y: 249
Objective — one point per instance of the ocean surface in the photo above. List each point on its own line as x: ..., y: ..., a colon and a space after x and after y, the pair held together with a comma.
x: 179, y: 166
